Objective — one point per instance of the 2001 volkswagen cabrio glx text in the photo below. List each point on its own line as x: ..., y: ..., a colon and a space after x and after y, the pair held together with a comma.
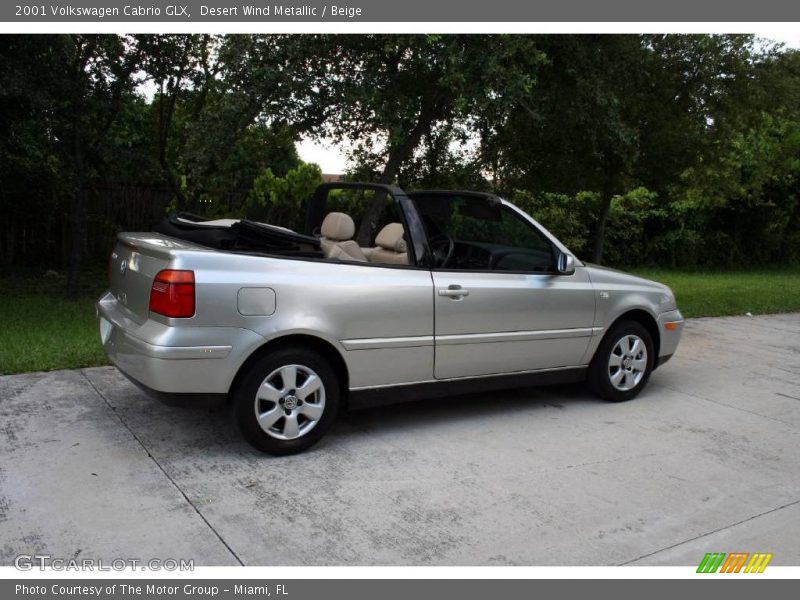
x: 387, y: 296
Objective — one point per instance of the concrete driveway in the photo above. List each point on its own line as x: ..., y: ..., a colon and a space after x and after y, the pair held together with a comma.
x: 706, y: 459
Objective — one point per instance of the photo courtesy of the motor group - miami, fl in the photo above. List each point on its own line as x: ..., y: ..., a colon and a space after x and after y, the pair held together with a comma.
x: 127, y: 589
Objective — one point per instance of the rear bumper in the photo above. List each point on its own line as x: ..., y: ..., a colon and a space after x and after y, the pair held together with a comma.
x: 173, y: 360
x: 179, y: 399
x: 669, y: 337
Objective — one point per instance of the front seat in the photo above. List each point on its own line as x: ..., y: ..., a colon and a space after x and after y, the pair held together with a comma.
x: 337, y: 238
x: 390, y: 246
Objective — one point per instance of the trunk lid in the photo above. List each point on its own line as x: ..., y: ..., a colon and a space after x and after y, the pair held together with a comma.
x: 136, y: 260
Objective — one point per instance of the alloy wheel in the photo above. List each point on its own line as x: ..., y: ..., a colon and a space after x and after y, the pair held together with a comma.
x: 627, y: 362
x: 290, y: 402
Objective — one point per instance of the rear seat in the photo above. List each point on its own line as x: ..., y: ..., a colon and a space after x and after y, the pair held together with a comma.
x: 337, y: 238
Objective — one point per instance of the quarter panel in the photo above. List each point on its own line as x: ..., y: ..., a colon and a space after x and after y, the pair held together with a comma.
x: 174, y: 359
x: 341, y: 303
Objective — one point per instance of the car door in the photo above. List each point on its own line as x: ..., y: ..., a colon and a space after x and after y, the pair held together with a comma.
x: 513, y: 312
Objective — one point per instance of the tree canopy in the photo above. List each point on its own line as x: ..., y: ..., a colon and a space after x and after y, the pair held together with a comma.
x: 637, y: 149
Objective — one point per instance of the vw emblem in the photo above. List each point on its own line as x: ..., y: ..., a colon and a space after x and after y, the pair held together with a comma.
x: 123, y: 266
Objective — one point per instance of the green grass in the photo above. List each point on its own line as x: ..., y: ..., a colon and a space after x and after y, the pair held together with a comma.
x: 41, y: 331
x: 718, y: 293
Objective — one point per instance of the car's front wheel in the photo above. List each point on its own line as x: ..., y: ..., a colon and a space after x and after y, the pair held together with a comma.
x: 286, y: 401
x: 623, y: 362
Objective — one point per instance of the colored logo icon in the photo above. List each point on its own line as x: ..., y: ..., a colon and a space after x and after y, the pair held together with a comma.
x: 735, y: 562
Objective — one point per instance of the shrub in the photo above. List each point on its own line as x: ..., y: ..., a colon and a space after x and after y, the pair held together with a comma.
x: 280, y: 200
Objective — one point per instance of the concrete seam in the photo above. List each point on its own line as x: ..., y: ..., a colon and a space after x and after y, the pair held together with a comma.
x: 702, y: 535
x: 718, y: 403
x: 161, y: 468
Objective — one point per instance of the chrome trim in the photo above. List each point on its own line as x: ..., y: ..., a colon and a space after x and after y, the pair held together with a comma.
x: 467, y: 338
x: 454, y: 293
x: 513, y: 336
x: 392, y: 342
x: 491, y: 375
x: 177, y: 352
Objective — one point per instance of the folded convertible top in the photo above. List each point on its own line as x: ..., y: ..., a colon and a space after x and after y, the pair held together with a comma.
x: 242, y: 235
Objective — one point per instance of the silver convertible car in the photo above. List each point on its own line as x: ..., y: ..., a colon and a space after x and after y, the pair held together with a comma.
x: 385, y: 296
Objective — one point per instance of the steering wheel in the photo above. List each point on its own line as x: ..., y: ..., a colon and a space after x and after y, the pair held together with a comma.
x: 442, y: 246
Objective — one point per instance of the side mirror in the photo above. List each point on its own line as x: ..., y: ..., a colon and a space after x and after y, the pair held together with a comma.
x: 565, y: 264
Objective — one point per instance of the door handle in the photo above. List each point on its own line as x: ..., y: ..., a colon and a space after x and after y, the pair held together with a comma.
x: 454, y: 291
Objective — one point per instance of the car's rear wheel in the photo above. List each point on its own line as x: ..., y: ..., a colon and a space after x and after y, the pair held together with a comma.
x: 286, y: 401
x: 623, y: 362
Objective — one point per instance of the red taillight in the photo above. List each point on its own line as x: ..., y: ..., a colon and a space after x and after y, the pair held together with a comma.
x: 172, y: 294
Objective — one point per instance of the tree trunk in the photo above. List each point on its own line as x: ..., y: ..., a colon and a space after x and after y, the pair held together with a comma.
x: 397, y: 156
x: 165, y: 115
x: 367, y: 229
x: 609, y: 189
x: 77, y: 222
x: 600, y: 230
x: 78, y: 240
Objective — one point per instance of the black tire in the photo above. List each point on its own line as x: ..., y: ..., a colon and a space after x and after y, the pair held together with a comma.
x: 599, y: 378
x: 244, y: 401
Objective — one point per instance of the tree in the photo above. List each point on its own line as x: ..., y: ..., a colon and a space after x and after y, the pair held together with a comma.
x: 680, y: 148
x: 748, y: 191
x: 175, y: 64
x: 224, y: 112
x: 279, y: 200
x: 30, y: 168
x: 610, y: 113
x: 577, y: 129
x: 80, y: 84
x: 391, y: 92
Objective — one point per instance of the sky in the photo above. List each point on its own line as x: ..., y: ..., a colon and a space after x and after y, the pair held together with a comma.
x: 331, y: 157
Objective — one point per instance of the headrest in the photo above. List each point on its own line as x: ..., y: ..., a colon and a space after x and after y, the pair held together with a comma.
x: 337, y: 227
x: 391, y: 238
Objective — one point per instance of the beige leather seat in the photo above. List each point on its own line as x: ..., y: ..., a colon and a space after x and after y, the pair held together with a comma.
x: 390, y: 246
x: 337, y: 238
